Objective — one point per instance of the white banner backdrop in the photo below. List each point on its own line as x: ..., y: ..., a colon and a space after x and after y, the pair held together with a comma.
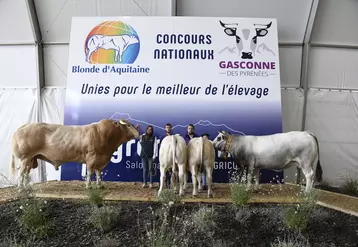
x: 17, y: 107
x: 217, y: 73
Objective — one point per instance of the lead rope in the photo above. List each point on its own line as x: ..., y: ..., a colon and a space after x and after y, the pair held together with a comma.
x: 227, y: 146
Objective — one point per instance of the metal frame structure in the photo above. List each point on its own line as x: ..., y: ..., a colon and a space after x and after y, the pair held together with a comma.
x: 35, y: 26
x: 305, y: 66
x: 306, y: 46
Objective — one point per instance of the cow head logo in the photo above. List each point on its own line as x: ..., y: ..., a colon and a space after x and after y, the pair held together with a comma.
x: 112, y: 42
x: 246, y: 38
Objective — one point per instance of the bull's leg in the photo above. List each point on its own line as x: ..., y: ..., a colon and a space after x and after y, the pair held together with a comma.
x: 194, y: 179
x: 209, y: 180
x: 162, y: 179
x: 98, y: 180
x: 200, y: 185
x: 24, y: 173
x: 89, y: 175
x: 185, y: 186
x: 250, y: 171
x: 309, y: 174
x: 174, y: 181
x: 181, y: 178
x: 257, y: 178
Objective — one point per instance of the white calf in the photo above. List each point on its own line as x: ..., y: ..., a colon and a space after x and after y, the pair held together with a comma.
x: 173, y: 154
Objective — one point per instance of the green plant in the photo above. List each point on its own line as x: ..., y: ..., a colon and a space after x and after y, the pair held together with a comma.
x: 350, y: 185
x: 297, y: 241
x: 168, y: 196
x: 242, y: 216
x: 107, y: 242
x: 220, y: 243
x: 162, y: 231
x: 34, y: 218
x: 13, y: 242
x: 296, y: 217
x: 205, y: 220
x: 95, y: 196
x: 239, y: 193
x: 104, y: 218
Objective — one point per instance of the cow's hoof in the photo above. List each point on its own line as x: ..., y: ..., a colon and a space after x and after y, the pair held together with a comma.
x: 194, y: 196
x: 210, y: 196
x: 200, y: 190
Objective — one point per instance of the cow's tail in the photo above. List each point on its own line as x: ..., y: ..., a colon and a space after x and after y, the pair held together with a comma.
x: 174, y: 144
x: 12, y: 166
x: 318, y: 172
x: 201, y: 154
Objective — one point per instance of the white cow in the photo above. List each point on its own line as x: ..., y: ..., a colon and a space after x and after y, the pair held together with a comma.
x: 118, y: 43
x: 173, y: 154
x: 275, y: 152
x: 201, y: 158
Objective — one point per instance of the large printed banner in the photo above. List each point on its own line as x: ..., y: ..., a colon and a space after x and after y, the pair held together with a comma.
x: 215, y: 73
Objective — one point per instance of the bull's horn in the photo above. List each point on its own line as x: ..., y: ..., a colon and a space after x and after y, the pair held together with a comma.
x: 122, y: 122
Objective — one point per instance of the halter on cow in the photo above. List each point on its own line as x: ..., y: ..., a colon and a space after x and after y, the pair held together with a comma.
x: 275, y: 152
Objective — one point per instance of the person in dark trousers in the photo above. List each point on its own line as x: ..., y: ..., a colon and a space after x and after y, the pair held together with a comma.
x: 147, y: 154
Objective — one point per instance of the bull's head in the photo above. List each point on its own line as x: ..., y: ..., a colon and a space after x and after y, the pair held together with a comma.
x: 129, y: 129
x: 246, y: 38
x: 220, y: 140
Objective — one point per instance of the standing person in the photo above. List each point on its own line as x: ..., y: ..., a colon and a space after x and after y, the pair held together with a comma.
x: 147, y: 154
x: 190, y: 133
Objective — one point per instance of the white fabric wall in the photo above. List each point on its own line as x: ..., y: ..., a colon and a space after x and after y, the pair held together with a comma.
x: 332, y: 115
x: 19, y: 79
x: 18, y: 106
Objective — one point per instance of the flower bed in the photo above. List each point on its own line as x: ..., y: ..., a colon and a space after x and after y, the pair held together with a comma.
x: 79, y: 223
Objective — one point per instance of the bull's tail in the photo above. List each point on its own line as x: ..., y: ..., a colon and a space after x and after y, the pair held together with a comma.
x: 201, y: 154
x: 174, y: 144
x: 318, y: 172
x: 12, y: 166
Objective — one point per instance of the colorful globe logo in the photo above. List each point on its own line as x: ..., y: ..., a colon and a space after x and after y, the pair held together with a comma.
x: 112, y: 42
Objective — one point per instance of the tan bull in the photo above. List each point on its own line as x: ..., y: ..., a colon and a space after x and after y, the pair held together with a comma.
x: 92, y: 144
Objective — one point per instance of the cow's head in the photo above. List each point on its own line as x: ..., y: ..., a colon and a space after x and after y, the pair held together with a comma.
x: 246, y: 38
x: 220, y: 141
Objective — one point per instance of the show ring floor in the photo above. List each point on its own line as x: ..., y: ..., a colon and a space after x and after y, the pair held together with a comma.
x: 267, y: 193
